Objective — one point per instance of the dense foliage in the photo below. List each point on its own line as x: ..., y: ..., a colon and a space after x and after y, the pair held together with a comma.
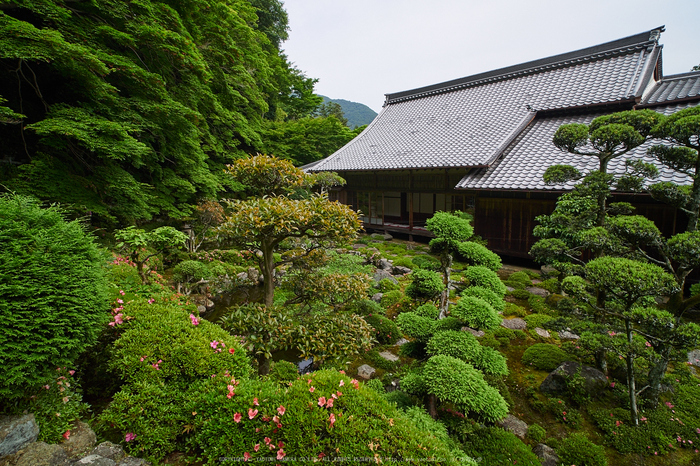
x: 53, y: 294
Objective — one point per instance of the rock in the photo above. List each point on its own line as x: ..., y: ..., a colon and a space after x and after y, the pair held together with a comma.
x: 41, y: 454
x: 377, y: 297
x: 365, y: 371
x: 95, y: 460
x: 385, y: 264
x: 109, y: 450
x: 514, y: 425
x: 201, y: 309
x: 82, y: 439
x: 389, y: 356
x: 209, y: 304
x: 401, y: 342
x: 381, y: 274
x: 514, y: 324
x: 358, y: 246
x: 694, y: 358
x: 566, y: 335
x: 537, y: 291
x: 132, y: 461
x: 476, y: 333
x: 594, y: 384
x: 546, y: 454
x: 242, y: 276
x: 382, y: 236
x: 400, y: 270
x: 253, y: 274
x: 16, y: 432
x: 509, y: 288
x: 542, y: 332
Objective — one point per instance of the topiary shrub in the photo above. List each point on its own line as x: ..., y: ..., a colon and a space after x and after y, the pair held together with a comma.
x: 392, y: 298
x: 324, y: 415
x: 502, y: 332
x: 476, y: 254
x: 492, y: 362
x: 376, y: 385
x: 497, y: 447
x: 366, y: 307
x: 387, y: 284
x: 487, y: 295
x: 544, y: 356
x: 425, y: 262
x: 510, y: 309
x: 476, y: 313
x: 536, y: 433
x: 537, y: 320
x: 460, y: 345
x: 519, y: 280
x: 520, y: 294
x: 577, y: 449
x: 283, y: 372
x: 428, y: 310
x: 415, y: 326
x: 426, y: 285
x: 485, y: 278
x: 53, y: 294
x: 401, y: 399
x: 448, y: 323
x: 386, y: 330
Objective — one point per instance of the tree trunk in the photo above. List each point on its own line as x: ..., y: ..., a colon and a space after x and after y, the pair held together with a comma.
x: 600, y: 361
x: 444, y: 297
x: 432, y: 406
x: 656, y: 374
x: 634, y: 414
x: 263, y: 365
x: 268, y: 272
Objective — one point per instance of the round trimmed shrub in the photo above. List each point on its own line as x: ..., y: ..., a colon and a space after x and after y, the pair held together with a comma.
x: 476, y: 313
x: 476, y: 254
x: 425, y: 262
x: 448, y: 323
x: 460, y: 345
x: 577, y: 449
x: 428, y: 310
x: 544, y: 356
x: 53, y: 294
x: 497, y: 447
x: 386, y: 330
x: 426, y: 285
x: 366, y: 307
x: 392, y: 298
x: 283, y: 372
x: 487, y: 295
x: 492, y: 362
x: 537, y: 320
x: 536, y: 433
x: 519, y: 280
x: 387, y: 284
x: 486, y: 278
x: 415, y: 326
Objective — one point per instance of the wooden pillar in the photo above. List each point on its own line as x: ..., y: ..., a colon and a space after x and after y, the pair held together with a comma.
x: 410, y: 200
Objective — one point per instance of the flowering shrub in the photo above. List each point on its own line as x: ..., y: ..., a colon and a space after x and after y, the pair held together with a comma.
x: 53, y: 298
x: 386, y: 331
x: 321, y: 416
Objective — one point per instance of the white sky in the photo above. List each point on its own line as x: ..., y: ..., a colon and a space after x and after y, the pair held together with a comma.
x: 362, y: 49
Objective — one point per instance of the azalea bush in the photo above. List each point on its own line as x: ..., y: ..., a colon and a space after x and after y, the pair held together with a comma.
x: 53, y: 294
x: 386, y: 330
x: 321, y: 416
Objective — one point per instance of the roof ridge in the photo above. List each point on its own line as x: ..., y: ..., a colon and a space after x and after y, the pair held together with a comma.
x: 680, y: 76
x: 612, y: 48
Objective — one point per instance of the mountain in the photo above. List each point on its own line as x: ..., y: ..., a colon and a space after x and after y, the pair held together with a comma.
x: 356, y: 113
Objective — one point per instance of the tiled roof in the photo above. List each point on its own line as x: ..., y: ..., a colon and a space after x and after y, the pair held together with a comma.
x: 524, y: 162
x: 468, y: 122
x: 676, y: 87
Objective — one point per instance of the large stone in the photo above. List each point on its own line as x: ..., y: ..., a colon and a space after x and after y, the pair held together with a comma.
x: 400, y: 270
x: 514, y: 425
x: 381, y: 236
x: 16, y: 432
x: 365, y: 371
x: 476, y: 333
x: 401, y: 342
x: 41, y: 454
x: 542, y: 332
x: 567, y: 335
x: 377, y: 297
x: 546, y: 454
x: 82, y: 439
x: 694, y: 358
x: 381, y: 274
x: 514, y: 324
x: 132, y: 461
x: 109, y: 450
x: 537, y: 291
x: 385, y: 264
x: 594, y: 381
x: 389, y: 356
x: 253, y: 274
x: 95, y: 460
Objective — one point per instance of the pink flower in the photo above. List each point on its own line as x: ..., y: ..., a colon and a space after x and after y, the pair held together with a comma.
x: 355, y: 383
x: 281, y: 410
x: 214, y: 344
x: 312, y: 389
x: 322, y: 401
x: 342, y: 382
x: 329, y: 403
x: 66, y: 434
x: 255, y: 402
x: 252, y: 413
x: 342, y: 371
x: 231, y: 350
x: 237, y: 417
x: 267, y: 440
x: 647, y: 343
x: 129, y: 436
x: 256, y: 447
x: 121, y: 292
x: 71, y: 372
x: 280, y: 454
x: 332, y: 419
x: 120, y: 301
x: 195, y: 321
x: 246, y: 456
x: 612, y: 385
x: 46, y: 387
x: 339, y: 393
x: 151, y: 301
x: 275, y: 419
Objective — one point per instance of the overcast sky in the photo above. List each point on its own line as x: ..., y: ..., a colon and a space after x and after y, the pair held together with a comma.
x: 362, y: 49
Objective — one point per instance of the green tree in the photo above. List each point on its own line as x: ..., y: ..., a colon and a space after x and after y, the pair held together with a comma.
x: 141, y: 245
x: 53, y: 295
x: 334, y: 109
